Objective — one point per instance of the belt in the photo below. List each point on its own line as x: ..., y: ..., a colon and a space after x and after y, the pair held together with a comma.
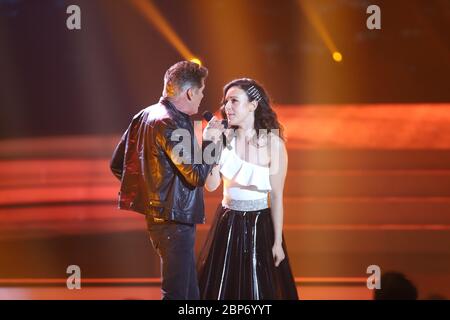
x: 246, y: 205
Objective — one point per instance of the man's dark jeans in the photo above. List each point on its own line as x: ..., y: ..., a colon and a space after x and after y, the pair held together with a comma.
x: 174, y: 243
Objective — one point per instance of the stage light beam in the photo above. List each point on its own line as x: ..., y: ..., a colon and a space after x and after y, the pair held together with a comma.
x: 319, y: 26
x: 152, y: 15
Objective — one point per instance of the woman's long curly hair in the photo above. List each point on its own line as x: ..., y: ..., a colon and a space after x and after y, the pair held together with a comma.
x: 265, y: 116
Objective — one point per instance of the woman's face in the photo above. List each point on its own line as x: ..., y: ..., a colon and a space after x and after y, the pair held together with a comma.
x: 237, y: 106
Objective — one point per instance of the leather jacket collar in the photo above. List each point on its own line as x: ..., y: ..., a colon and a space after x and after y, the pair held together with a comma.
x: 173, y: 110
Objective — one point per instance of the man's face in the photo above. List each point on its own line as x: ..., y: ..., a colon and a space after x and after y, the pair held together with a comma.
x: 196, y: 98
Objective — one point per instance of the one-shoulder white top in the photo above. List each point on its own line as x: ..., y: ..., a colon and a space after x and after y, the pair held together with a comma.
x: 245, y: 185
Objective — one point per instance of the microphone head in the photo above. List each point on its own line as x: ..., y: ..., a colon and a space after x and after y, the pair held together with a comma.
x: 225, y: 123
x: 207, y: 115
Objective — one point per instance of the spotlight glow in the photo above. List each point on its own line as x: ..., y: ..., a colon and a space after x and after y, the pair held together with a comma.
x: 196, y: 60
x: 337, y: 56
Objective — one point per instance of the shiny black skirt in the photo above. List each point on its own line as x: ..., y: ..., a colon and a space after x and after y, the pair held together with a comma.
x: 237, y: 263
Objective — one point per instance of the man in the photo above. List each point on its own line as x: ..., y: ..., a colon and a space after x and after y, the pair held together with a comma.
x: 165, y: 184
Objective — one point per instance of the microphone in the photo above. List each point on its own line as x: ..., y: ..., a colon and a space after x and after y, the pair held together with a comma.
x: 207, y: 115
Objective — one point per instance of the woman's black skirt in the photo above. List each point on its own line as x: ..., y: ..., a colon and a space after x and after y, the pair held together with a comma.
x: 237, y: 263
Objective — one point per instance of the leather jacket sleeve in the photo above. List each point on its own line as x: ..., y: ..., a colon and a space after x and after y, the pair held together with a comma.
x: 194, y: 174
x: 116, y: 163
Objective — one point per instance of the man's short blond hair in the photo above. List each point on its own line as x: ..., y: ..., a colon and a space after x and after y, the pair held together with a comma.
x: 182, y: 75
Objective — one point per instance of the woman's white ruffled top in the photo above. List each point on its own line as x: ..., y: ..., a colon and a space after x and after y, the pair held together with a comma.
x: 243, y: 181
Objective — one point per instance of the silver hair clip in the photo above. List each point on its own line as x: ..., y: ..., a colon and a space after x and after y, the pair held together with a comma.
x: 254, y: 93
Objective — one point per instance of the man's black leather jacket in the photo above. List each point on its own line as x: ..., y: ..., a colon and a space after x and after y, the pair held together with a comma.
x: 153, y: 181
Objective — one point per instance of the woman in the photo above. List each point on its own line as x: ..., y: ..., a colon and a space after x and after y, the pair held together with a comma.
x: 245, y: 255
